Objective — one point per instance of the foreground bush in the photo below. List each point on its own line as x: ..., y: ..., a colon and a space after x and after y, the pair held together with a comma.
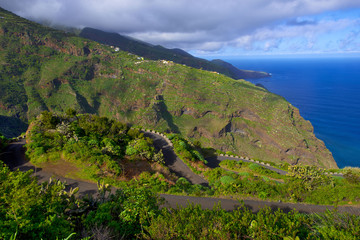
x: 194, y: 223
x: 98, y: 145
x: 32, y: 211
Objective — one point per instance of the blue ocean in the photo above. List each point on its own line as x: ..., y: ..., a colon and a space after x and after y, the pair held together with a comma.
x: 326, y: 91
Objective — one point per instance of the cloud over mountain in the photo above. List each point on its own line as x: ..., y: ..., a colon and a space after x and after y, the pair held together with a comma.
x: 207, y: 25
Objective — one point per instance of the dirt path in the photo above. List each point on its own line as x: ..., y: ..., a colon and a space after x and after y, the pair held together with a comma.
x: 14, y: 157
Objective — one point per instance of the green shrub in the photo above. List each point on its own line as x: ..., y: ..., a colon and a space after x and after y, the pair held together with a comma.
x: 352, y: 177
x: 227, y: 180
x: 31, y: 210
x: 183, y: 182
x: 229, y: 153
x: 88, y: 140
x: 194, y: 223
x: 159, y: 157
x: 3, y: 142
x: 333, y: 225
x: 48, y: 120
x: 309, y: 176
x: 246, y: 174
x: 263, y: 195
x: 254, y: 167
x: 126, y: 213
x: 266, y: 179
x: 140, y: 147
x: 185, y: 151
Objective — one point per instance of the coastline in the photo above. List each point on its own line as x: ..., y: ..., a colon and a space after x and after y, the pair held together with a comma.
x: 325, y: 91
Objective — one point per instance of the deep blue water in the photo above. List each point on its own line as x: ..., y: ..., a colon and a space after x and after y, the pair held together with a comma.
x: 326, y: 91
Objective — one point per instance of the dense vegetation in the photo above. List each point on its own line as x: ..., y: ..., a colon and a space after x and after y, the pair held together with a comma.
x: 42, y: 69
x: 46, y: 211
x: 89, y: 147
x: 188, y: 153
x: 96, y: 148
x: 100, y: 147
x: 302, y: 183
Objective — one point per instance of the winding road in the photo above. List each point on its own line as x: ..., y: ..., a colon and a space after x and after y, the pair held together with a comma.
x: 173, y: 162
x: 14, y: 157
x: 215, y: 161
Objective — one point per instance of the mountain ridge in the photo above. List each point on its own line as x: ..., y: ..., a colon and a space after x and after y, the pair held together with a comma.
x: 46, y: 69
x: 157, y: 52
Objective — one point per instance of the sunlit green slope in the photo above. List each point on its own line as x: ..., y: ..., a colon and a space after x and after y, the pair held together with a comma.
x: 45, y: 69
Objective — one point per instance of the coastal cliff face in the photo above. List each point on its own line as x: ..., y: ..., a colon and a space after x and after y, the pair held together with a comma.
x: 238, y: 117
x: 44, y: 69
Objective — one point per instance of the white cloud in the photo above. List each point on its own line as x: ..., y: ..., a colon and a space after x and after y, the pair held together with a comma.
x: 351, y: 42
x: 273, y: 37
x: 207, y: 25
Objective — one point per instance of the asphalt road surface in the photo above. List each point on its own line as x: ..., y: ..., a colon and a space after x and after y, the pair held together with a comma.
x: 14, y: 157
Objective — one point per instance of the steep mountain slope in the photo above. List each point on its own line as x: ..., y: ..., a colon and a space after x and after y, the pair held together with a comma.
x: 45, y: 69
x: 240, y: 74
x: 176, y: 55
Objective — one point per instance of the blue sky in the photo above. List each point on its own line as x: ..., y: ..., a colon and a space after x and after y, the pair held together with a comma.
x: 213, y: 28
x: 331, y: 33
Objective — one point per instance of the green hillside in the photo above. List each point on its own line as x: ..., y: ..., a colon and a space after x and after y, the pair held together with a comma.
x: 160, y: 53
x: 45, y: 69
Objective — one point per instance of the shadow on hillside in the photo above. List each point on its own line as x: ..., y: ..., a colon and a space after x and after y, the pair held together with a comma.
x: 161, y: 109
x: 84, y: 103
x: 213, y: 162
x: 12, y: 126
